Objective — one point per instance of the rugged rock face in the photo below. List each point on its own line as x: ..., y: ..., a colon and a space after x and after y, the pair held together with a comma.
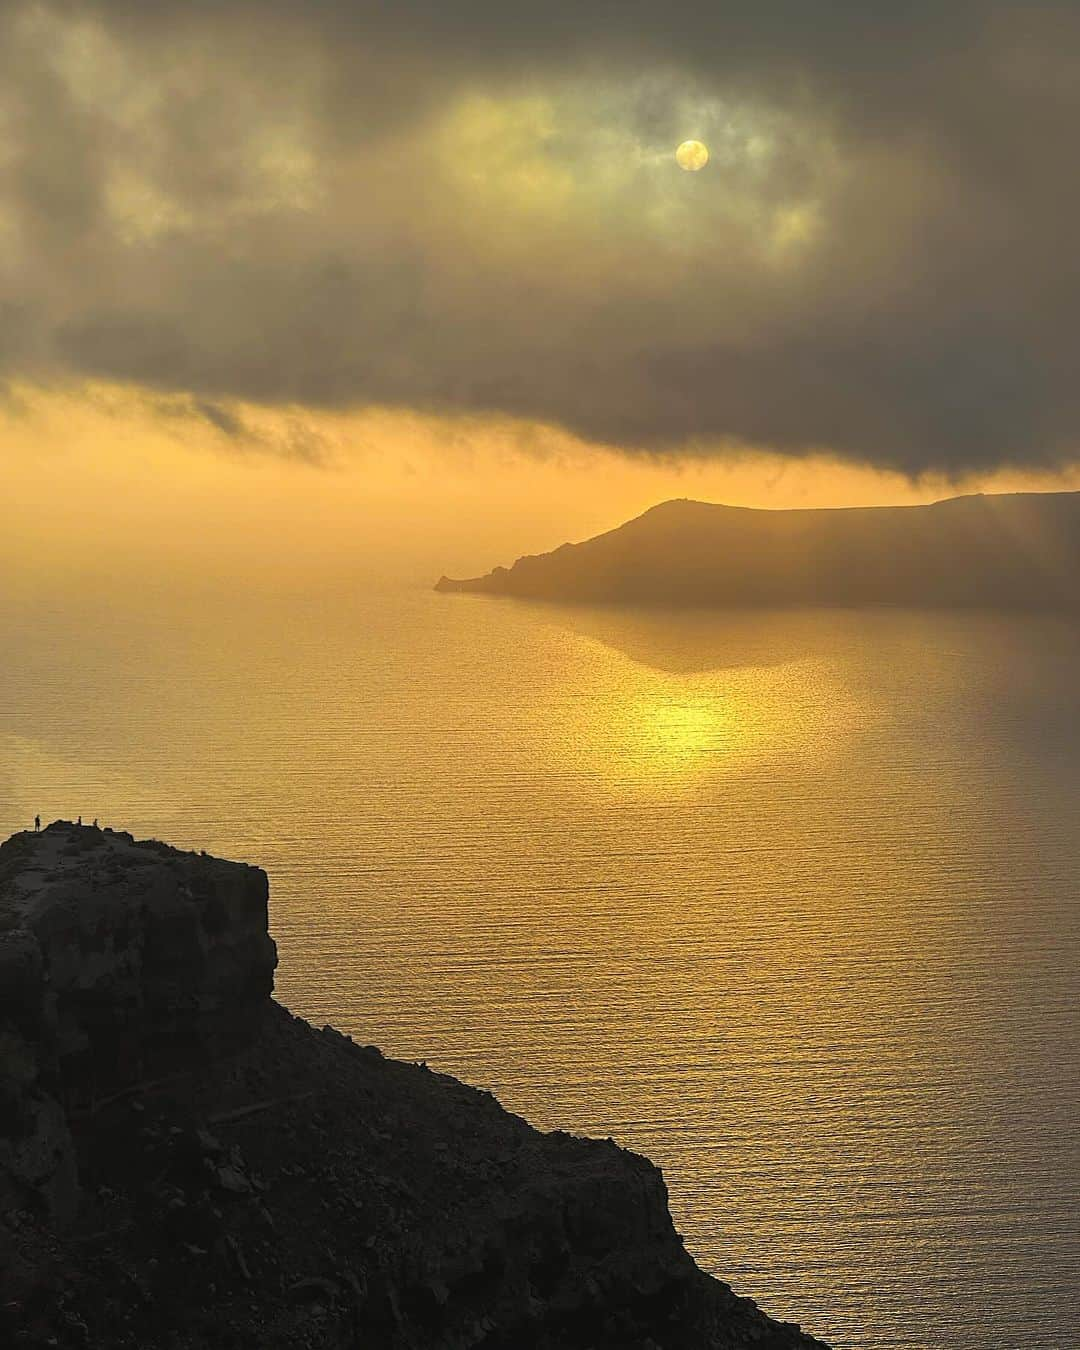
x: 185, y: 1164
x: 118, y: 960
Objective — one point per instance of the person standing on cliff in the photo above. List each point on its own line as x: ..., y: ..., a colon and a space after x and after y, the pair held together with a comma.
x: 37, y: 824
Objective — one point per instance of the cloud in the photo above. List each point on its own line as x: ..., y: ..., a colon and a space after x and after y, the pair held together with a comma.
x: 282, y: 435
x: 473, y: 209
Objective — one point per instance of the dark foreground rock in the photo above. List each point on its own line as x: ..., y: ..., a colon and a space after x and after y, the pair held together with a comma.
x: 185, y: 1164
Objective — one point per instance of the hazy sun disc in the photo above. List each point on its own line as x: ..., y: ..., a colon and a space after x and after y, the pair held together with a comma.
x: 691, y: 156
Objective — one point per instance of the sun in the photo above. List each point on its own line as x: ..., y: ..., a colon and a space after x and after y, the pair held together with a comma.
x: 692, y: 156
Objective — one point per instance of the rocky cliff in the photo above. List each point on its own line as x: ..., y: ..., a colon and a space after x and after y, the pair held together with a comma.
x: 185, y: 1164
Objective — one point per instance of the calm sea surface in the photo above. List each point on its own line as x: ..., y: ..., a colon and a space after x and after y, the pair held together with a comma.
x: 788, y: 902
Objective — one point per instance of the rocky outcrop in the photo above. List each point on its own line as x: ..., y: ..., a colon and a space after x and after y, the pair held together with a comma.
x: 118, y: 961
x: 185, y: 1164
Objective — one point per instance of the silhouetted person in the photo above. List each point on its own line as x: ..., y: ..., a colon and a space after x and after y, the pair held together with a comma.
x: 95, y: 823
x: 79, y: 821
x: 37, y: 823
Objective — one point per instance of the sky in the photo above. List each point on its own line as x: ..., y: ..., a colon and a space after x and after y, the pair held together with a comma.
x: 357, y: 262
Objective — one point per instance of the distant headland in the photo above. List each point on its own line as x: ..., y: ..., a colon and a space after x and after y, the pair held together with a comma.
x: 185, y: 1165
x: 1019, y: 550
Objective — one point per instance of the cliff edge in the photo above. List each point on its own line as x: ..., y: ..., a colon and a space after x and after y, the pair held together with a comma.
x: 185, y: 1164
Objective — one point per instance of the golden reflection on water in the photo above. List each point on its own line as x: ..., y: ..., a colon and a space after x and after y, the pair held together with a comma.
x: 657, y: 732
x: 649, y: 730
x: 654, y: 729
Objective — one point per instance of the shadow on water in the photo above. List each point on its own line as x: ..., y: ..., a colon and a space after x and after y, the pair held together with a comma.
x: 690, y: 641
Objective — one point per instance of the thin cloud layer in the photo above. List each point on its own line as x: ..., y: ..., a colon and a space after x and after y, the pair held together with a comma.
x: 474, y: 208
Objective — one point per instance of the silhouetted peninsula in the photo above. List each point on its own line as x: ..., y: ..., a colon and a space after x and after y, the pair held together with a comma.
x: 1019, y: 550
x: 184, y: 1165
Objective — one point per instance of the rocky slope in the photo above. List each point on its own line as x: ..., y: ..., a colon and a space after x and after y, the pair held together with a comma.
x: 185, y: 1164
x: 1020, y: 550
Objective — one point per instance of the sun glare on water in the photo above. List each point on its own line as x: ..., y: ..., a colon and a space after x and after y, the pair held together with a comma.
x: 655, y: 730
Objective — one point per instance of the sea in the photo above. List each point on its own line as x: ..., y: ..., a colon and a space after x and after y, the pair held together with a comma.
x: 789, y: 902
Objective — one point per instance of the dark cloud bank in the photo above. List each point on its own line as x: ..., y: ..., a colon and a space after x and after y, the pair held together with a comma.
x: 472, y: 207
